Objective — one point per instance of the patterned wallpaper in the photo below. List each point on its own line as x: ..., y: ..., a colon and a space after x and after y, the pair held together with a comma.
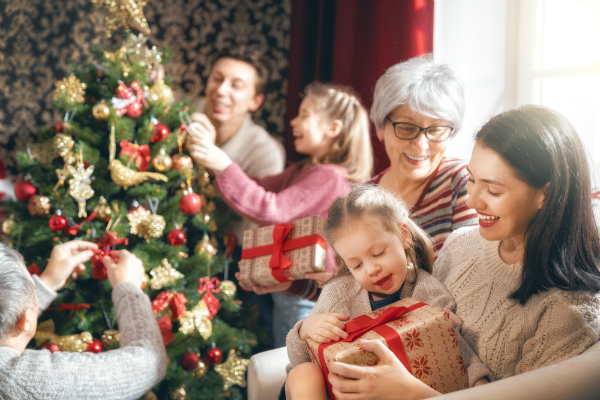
x: 39, y: 39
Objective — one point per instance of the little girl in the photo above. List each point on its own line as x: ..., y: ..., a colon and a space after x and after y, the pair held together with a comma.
x: 385, y: 257
x: 332, y: 128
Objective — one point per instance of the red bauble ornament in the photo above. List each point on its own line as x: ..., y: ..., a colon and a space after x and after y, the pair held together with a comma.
x: 190, y: 203
x: 52, y: 347
x: 161, y: 131
x: 94, y: 347
x: 58, y: 222
x: 134, y: 206
x: 176, y: 238
x: 213, y: 355
x: 24, y: 190
x: 189, y: 361
x: 59, y: 127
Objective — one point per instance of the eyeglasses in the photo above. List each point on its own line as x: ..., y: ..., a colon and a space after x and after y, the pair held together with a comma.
x: 406, y: 131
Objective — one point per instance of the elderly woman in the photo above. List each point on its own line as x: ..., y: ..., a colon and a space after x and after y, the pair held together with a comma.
x: 418, y: 105
x: 126, y: 373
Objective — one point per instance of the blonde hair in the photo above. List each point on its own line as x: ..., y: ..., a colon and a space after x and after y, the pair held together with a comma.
x: 352, y: 147
x: 376, y: 202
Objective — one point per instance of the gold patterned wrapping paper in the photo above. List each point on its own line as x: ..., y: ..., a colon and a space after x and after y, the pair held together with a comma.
x: 312, y: 258
x: 429, y: 342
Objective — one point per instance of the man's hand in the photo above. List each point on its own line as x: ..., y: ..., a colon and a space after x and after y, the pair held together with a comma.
x: 388, y: 380
x: 128, y: 268
x: 278, y: 287
x: 202, y: 126
x: 203, y: 149
x: 67, y: 260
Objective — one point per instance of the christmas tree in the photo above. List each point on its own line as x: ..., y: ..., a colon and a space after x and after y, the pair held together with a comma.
x: 114, y: 171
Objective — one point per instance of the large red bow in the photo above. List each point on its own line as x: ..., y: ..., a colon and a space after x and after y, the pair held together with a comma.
x: 361, y: 325
x: 165, y: 326
x: 141, y: 154
x: 208, y: 284
x: 109, y: 240
x: 176, y: 302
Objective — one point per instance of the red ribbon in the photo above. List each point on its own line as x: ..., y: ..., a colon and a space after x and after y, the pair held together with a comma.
x: 71, y: 307
x: 75, y: 228
x: 212, y: 303
x: 165, y: 326
x: 278, y: 262
x: 109, y: 240
x: 141, y: 154
x: 176, y: 301
x: 363, y: 324
x: 208, y: 284
x: 33, y: 269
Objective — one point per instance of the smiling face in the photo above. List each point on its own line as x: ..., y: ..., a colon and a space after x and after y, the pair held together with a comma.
x: 505, y: 204
x: 231, y: 91
x: 374, y: 256
x: 415, y: 159
x: 312, y: 134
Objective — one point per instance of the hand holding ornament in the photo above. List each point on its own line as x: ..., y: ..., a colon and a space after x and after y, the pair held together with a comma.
x: 67, y: 261
x: 201, y: 126
x: 204, y: 152
x: 128, y: 268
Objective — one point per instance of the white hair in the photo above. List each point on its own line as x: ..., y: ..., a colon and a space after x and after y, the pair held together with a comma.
x: 425, y: 86
x: 17, y: 290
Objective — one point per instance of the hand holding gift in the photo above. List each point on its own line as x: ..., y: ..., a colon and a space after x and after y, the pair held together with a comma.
x: 324, y: 328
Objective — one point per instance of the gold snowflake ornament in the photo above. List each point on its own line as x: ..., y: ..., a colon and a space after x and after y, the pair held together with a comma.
x: 72, y: 88
x: 124, y: 13
x: 233, y: 371
x: 163, y: 276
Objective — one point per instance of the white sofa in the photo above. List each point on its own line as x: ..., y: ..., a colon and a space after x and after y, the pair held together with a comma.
x: 574, y: 379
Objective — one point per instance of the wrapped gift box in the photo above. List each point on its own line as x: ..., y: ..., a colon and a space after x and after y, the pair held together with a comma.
x: 283, y: 252
x: 421, y: 336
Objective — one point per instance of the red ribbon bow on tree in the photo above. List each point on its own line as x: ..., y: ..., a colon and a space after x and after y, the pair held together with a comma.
x: 109, y: 240
x: 165, y: 326
x: 208, y: 284
x: 33, y: 269
x: 75, y: 228
x: 141, y: 154
x: 176, y: 302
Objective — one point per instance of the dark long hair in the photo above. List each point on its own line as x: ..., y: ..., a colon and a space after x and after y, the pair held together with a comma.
x: 562, y: 246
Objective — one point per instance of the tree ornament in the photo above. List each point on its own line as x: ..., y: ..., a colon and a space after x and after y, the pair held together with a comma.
x: 8, y: 225
x: 123, y: 176
x: 126, y: 102
x: 179, y: 394
x: 145, y: 281
x: 52, y: 347
x: 70, y: 88
x: 205, y: 247
x: 134, y: 206
x: 80, y: 186
x: 149, y: 396
x: 228, y: 289
x: 108, y: 241
x: 203, y: 176
x: 189, y: 361
x: 60, y: 145
x: 123, y: 13
x: 145, y: 224
x: 58, y: 127
x: 110, y: 339
x: 103, y: 209
x: 95, y: 346
x: 140, y: 154
x: 190, y: 203
x: 24, y: 190
x: 233, y: 371
x: 213, y: 355
x: 161, y: 131
x: 198, y: 318
x: 57, y: 222
x: 101, y: 110
x: 182, y: 163
x: 175, y: 301
x: 164, y: 276
x: 176, y: 238
x: 76, y: 343
x: 212, y: 303
x: 162, y: 161
x: 138, y: 52
x: 161, y: 93
x: 39, y: 206
x: 200, y: 370
x: 205, y: 284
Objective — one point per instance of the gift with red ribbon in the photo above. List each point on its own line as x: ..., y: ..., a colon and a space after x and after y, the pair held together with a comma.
x: 283, y: 252
x: 175, y: 301
x: 421, y: 336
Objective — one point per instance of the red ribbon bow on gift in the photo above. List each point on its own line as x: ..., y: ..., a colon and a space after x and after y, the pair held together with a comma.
x: 165, y: 326
x: 176, y: 301
x: 75, y: 228
x: 278, y: 262
x: 109, y: 240
x: 363, y: 324
x: 208, y: 284
x: 141, y: 154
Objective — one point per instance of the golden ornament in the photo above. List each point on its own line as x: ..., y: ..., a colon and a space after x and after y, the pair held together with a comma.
x: 8, y: 225
x: 201, y: 369
x: 123, y: 13
x: 233, y: 371
x: 110, y: 339
x: 179, y: 394
x: 197, y: 318
x: 79, y: 186
x: 203, y: 176
x: 76, y: 343
x: 39, y: 206
x: 150, y: 396
x: 123, y: 176
x: 228, y: 289
x: 161, y: 93
x: 145, y: 281
x: 145, y: 224
x: 205, y: 247
x: 60, y: 145
x: 156, y: 225
x: 71, y: 88
x: 162, y: 162
x: 101, y: 110
x: 135, y: 45
x: 103, y: 208
x: 182, y: 163
x: 164, y: 276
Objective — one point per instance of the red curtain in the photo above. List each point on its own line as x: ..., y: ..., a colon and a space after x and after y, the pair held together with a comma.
x: 352, y: 43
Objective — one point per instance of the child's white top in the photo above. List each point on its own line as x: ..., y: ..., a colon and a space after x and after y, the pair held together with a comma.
x: 510, y: 338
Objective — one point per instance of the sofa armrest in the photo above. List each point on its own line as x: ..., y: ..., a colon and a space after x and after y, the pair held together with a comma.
x: 266, y: 374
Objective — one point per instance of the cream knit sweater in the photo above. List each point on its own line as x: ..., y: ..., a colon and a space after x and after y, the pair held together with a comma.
x: 510, y: 338
x: 344, y: 295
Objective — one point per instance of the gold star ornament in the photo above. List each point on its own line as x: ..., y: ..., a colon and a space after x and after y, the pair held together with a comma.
x: 233, y: 371
x: 71, y: 88
x: 127, y: 13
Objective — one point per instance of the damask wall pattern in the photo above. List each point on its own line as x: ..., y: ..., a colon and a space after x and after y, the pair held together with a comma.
x: 40, y: 39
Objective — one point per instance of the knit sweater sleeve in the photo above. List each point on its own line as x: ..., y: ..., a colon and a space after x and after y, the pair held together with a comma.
x: 126, y: 373
x: 569, y: 323
x: 431, y: 291
x: 310, y: 195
